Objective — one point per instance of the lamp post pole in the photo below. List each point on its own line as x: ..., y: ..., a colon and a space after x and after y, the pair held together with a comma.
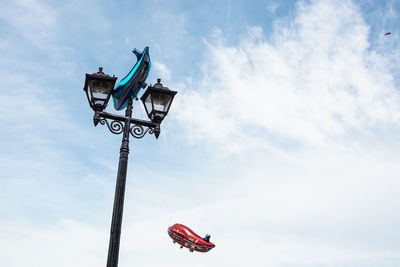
x: 116, y: 222
x: 156, y: 99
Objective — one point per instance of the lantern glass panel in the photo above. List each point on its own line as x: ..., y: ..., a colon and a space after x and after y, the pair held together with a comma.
x: 161, y: 101
x: 100, y: 89
x: 148, y: 104
x: 159, y: 115
x: 98, y: 101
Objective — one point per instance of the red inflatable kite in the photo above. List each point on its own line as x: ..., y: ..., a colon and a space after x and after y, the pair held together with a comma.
x: 187, y: 238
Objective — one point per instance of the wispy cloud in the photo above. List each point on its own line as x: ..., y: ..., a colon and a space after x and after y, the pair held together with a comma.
x: 308, y: 119
x: 161, y: 70
x: 312, y: 82
x: 36, y: 22
x: 83, y: 243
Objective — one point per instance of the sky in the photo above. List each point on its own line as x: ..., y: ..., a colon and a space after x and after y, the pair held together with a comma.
x: 282, y: 142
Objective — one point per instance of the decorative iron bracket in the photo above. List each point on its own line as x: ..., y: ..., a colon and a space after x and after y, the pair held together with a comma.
x: 116, y: 124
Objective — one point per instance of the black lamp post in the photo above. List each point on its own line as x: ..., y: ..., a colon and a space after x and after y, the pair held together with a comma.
x: 157, y: 101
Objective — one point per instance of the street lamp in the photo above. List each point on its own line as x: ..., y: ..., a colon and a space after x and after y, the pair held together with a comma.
x: 157, y: 101
x: 98, y: 88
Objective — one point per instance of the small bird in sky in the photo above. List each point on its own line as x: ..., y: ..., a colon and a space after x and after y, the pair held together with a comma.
x: 387, y: 33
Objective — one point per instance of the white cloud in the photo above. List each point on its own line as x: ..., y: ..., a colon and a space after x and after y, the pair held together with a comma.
x: 311, y: 114
x: 34, y: 20
x: 63, y: 244
x: 314, y: 81
x: 161, y: 70
x: 331, y: 211
x: 272, y: 7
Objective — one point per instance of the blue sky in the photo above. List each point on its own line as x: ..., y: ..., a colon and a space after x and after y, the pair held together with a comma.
x: 282, y: 142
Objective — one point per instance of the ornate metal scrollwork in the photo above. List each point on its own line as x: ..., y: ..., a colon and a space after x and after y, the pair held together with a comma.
x: 116, y: 127
x: 138, y: 131
x: 116, y: 124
